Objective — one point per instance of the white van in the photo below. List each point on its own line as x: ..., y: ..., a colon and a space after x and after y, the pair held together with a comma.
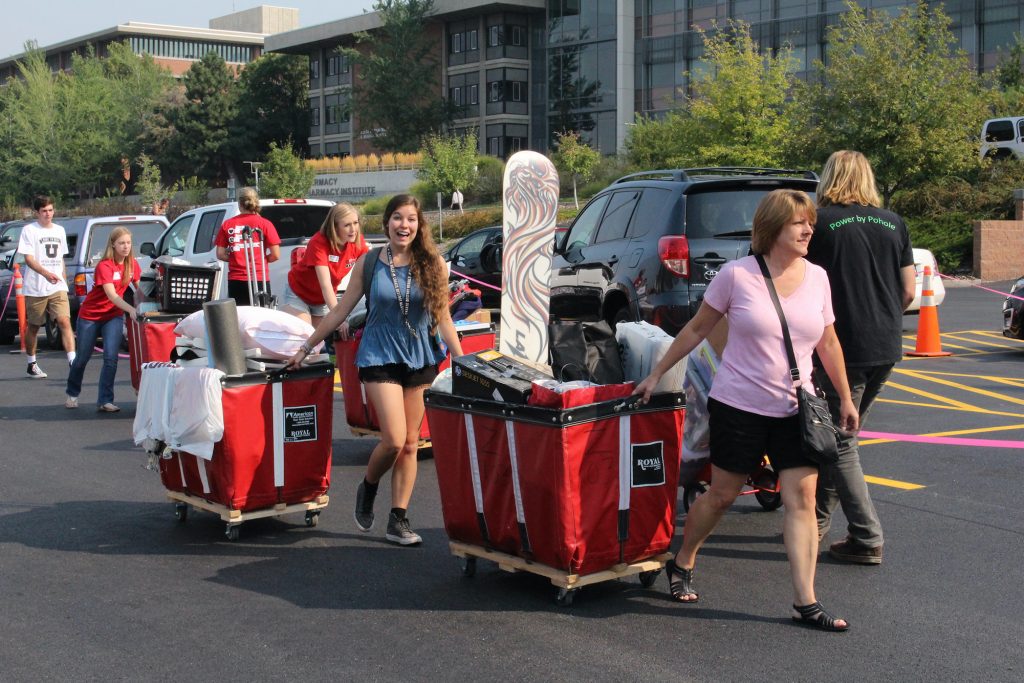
x: 191, y: 235
x: 1003, y: 138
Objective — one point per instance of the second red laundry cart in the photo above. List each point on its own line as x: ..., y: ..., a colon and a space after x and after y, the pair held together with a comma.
x: 571, y: 493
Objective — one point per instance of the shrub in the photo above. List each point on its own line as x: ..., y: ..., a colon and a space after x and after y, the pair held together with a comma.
x: 375, y: 205
x: 950, y: 238
x: 490, y: 172
x: 461, y: 224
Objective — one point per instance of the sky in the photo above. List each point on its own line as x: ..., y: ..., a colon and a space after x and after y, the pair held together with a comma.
x: 54, y: 21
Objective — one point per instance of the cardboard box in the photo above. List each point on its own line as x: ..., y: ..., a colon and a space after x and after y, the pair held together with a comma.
x: 494, y: 376
x: 480, y: 315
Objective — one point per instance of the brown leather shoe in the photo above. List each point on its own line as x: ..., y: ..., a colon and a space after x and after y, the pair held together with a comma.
x: 849, y: 550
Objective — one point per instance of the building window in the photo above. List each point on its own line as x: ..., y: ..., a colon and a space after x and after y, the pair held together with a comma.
x: 517, y: 95
x: 314, y: 68
x: 517, y: 35
x: 457, y: 43
x: 473, y: 95
x: 456, y: 97
x: 494, y: 91
x: 494, y: 36
x: 345, y: 65
x: 314, y: 116
x: 472, y: 40
x: 332, y: 65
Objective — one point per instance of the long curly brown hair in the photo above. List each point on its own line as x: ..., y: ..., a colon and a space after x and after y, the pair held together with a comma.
x: 426, y: 265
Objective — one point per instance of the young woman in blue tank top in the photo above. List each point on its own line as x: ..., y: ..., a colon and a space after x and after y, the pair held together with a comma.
x: 397, y: 358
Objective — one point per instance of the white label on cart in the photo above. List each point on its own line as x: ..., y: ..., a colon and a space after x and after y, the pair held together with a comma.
x: 648, y: 464
x: 299, y: 424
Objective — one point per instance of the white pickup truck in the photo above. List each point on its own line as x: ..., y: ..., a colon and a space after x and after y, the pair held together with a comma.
x: 190, y: 236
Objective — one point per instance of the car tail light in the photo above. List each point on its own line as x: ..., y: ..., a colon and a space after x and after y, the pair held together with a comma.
x: 674, y: 252
x: 81, y: 289
x: 289, y: 201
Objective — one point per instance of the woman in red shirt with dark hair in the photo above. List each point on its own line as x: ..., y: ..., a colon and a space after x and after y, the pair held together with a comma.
x: 101, y: 314
x: 332, y: 252
x: 230, y: 243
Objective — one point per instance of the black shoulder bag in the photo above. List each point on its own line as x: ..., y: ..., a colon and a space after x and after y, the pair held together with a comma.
x: 817, y: 431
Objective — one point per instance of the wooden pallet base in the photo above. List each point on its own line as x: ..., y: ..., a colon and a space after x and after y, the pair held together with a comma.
x: 364, y: 431
x: 234, y: 517
x: 559, y: 578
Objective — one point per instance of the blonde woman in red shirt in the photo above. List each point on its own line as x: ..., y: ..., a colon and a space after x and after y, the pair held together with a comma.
x: 102, y: 314
x: 332, y: 252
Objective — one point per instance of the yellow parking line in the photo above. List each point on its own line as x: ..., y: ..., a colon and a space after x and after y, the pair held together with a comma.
x: 957, y: 432
x: 1015, y: 343
x: 881, y: 481
x: 991, y: 378
x: 945, y: 345
x: 962, y: 387
x: 934, y: 397
x: 982, y: 411
x: 978, y: 341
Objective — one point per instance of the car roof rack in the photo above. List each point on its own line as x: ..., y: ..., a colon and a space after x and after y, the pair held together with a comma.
x: 680, y: 174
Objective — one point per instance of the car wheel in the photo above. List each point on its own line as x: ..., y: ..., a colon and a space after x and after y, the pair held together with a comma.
x: 621, y: 315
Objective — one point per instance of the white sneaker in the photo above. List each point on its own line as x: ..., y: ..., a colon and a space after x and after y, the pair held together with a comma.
x: 35, y: 371
x: 108, y: 408
x: 71, y: 402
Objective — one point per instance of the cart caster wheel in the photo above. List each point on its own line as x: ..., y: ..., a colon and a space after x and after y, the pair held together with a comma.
x: 312, y: 518
x: 468, y: 566
x: 232, y: 533
x: 565, y: 597
x: 767, y: 493
x: 690, y: 493
x: 180, y: 512
x: 647, y: 578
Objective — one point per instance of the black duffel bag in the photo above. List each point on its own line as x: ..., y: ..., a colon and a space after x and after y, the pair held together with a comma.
x: 584, y: 351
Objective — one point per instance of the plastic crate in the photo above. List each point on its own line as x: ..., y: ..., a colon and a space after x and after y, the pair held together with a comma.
x: 186, y: 288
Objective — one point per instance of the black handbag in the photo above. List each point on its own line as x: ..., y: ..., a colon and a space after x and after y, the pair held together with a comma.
x: 584, y: 351
x: 817, y: 431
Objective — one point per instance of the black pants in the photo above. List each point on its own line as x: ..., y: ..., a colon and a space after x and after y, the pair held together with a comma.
x: 239, y: 291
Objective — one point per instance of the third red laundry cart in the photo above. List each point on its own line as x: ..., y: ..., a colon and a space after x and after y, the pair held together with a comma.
x: 588, y: 491
x: 151, y: 339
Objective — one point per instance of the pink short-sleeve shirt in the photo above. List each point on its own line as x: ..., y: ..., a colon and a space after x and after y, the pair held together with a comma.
x: 754, y: 373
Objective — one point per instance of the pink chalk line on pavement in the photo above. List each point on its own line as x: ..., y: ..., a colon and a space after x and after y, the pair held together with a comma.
x: 994, y: 291
x: 942, y: 440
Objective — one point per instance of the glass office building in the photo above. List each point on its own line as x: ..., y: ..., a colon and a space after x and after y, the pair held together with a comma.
x: 520, y: 73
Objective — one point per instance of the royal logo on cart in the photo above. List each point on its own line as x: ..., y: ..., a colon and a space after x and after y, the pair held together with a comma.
x: 299, y: 424
x: 648, y: 464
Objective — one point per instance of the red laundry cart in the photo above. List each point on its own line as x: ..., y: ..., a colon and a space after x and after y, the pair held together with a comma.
x: 359, y: 412
x: 150, y: 340
x: 275, y: 455
x: 579, y: 495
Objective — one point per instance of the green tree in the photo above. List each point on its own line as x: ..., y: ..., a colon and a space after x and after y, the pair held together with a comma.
x: 395, y: 93
x: 576, y: 158
x: 283, y: 173
x: 1008, y: 79
x: 148, y: 183
x: 896, y: 90
x: 737, y: 114
x: 449, y: 163
x: 273, y: 105
x: 202, y: 140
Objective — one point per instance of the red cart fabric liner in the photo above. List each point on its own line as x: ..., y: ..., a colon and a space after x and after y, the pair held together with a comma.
x: 150, y: 340
x: 276, y: 446
x: 359, y: 411
x: 580, y: 490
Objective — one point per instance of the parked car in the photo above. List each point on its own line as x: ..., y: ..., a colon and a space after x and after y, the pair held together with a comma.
x: 1003, y: 138
x: 87, y: 238
x: 465, y: 257
x: 191, y: 235
x: 646, y: 247
x: 1013, y: 311
x: 922, y: 258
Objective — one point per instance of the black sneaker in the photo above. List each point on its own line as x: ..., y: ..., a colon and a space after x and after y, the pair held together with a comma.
x: 364, y: 508
x: 35, y: 371
x: 400, y: 532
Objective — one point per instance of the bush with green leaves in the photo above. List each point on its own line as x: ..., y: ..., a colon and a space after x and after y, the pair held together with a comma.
x: 284, y: 174
x: 194, y: 189
x: 490, y: 172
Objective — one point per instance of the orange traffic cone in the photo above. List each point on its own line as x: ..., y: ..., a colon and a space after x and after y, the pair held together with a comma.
x: 19, y: 299
x: 928, y: 342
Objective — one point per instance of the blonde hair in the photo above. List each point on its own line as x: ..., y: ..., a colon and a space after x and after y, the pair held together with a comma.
x: 248, y: 200
x: 847, y: 179
x: 129, y: 261
x: 335, y: 215
x: 776, y: 209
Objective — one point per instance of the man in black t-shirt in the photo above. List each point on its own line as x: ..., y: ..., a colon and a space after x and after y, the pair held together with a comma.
x: 870, y: 264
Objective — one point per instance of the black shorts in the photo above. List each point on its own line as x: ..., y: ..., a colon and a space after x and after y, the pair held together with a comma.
x: 739, y: 439
x: 239, y: 291
x: 398, y: 373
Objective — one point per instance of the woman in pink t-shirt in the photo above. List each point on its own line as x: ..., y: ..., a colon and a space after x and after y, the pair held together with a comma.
x: 102, y: 314
x: 752, y: 403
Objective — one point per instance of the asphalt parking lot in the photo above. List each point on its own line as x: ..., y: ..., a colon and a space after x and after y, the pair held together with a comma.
x: 99, y: 581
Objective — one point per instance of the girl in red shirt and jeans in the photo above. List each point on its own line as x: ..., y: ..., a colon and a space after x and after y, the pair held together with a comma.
x: 332, y: 252
x: 102, y: 314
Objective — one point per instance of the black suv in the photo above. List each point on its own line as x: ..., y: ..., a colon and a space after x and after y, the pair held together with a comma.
x: 646, y: 247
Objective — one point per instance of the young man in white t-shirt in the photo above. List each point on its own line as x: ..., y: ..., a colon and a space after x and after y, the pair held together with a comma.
x: 44, y: 244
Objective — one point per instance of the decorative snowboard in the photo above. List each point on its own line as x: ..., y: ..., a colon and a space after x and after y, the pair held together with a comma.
x: 529, y: 213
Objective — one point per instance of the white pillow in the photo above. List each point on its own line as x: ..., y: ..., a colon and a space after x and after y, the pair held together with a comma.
x: 275, y: 333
